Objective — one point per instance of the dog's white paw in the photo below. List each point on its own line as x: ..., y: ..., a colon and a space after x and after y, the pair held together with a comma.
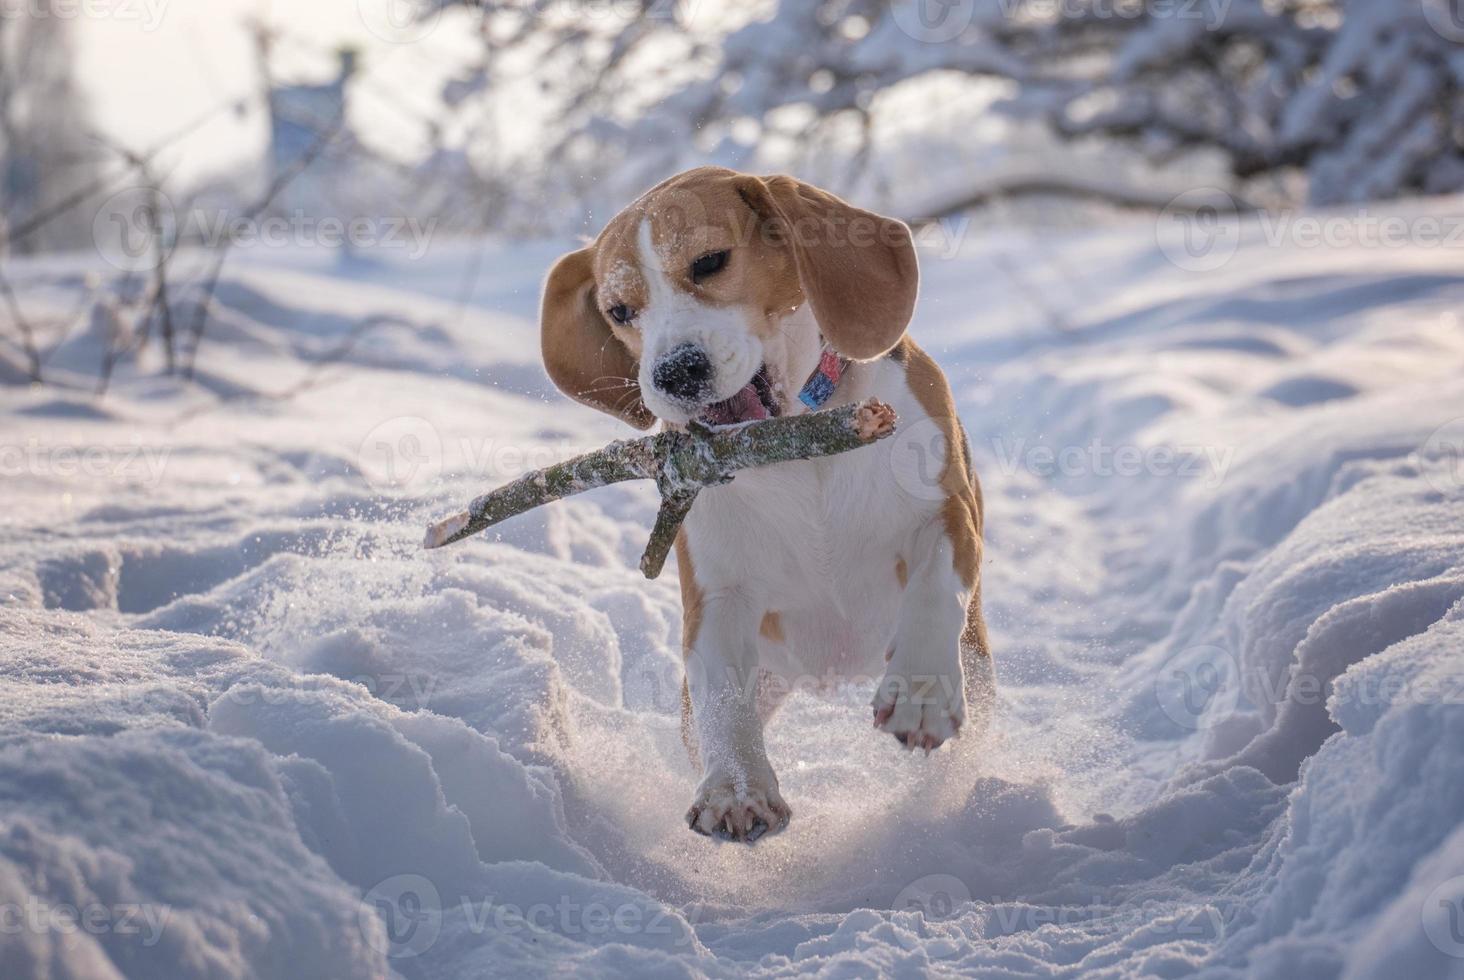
x: 740, y: 810
x: 921, y: 710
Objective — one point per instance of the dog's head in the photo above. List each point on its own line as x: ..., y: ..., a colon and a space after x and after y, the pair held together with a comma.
x: 679, y: 309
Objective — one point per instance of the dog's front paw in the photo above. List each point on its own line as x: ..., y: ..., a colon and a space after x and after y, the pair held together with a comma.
x: 922, y: 711
x: 740, y: 810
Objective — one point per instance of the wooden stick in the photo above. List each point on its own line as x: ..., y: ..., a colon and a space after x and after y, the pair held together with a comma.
x: 681, y: 462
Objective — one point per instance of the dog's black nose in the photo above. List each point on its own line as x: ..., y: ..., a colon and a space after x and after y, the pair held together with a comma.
x: 684, y: 373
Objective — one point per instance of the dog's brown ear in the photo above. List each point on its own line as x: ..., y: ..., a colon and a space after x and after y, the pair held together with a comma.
x: 857, y: 268
x: 584, y: 359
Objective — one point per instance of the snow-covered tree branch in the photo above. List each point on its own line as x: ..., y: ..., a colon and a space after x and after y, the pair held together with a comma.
x: 1360, y: 98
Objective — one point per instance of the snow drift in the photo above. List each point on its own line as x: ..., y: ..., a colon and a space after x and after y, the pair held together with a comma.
x: 248, y: 729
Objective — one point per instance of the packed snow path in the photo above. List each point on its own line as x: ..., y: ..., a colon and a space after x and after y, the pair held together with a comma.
x: 252, y: 730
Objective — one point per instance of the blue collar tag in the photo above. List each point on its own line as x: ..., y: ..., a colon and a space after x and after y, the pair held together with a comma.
x: 819, y: 387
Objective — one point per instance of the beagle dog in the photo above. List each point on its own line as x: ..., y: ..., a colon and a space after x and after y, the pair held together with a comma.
x: 722, y: 297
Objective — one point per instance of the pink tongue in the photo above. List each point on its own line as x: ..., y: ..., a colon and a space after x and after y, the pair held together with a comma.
x: 741, y: 407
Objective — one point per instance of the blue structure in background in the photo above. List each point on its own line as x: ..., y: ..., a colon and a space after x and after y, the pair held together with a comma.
x: 299, y: 114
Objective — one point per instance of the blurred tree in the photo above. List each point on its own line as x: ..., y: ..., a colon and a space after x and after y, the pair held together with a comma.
x: 45, y: 152
x: 1361, y: 97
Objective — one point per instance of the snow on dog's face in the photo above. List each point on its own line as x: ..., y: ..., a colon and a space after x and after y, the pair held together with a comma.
x: 679, y: 309
x: 691, y: 288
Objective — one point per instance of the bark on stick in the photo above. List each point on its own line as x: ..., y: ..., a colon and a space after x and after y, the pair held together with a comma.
x: 681, y: 463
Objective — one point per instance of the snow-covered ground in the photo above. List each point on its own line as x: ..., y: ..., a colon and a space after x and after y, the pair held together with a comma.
x: 248, y: 729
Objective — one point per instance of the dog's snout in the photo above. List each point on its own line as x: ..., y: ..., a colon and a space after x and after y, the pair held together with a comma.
x: 684, y: 373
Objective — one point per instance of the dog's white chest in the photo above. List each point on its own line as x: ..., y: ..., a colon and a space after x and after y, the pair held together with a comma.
x: 818, y: 542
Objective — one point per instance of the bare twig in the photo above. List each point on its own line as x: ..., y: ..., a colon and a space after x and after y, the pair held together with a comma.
x: 199, y: 321
x: 45, y: 216
x: 113, y: 332
x: 162, y: 308
x: 23, y: 327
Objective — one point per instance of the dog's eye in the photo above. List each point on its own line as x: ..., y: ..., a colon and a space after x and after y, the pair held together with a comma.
x: 621, y: 313
x: 708, y: 265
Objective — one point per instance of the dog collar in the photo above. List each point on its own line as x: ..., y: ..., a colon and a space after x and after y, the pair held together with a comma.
x: 819, y: 387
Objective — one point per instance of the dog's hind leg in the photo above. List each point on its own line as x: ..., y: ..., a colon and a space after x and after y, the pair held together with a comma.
x: 688, y: 728
x: 978, y: 672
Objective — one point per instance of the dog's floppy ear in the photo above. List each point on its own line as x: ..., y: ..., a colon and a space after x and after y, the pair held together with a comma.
x: 857, y: 268
x: 582, y: 356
